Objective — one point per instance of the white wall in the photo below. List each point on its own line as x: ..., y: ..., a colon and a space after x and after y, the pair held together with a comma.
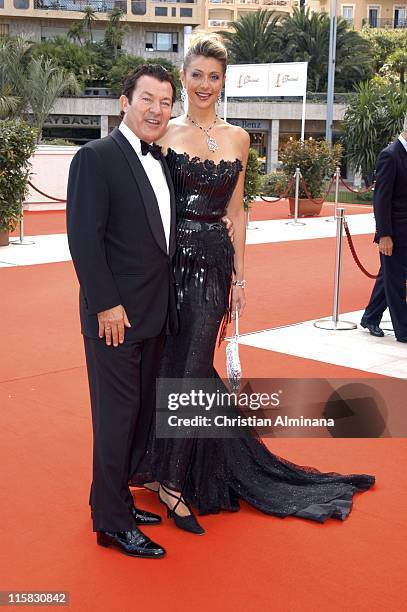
x: 50, y: 167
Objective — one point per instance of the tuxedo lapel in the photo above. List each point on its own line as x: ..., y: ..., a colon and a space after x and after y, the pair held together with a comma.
x: 147, y: 192
x: 173, y: 208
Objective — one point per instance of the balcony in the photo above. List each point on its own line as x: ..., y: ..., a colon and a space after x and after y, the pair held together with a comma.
x: 276, y: 3
x: 387, y: 23
x: 100, y: 6
x: 219, y: 23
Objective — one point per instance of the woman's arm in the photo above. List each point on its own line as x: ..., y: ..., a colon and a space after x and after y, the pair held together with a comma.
x: 236, y: 214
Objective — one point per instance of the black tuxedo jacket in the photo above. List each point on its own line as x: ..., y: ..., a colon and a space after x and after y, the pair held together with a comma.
x: 117, y: 240
x: 390, y: 194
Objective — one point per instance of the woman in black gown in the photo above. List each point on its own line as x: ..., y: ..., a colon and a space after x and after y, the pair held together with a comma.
x: 206, y: 157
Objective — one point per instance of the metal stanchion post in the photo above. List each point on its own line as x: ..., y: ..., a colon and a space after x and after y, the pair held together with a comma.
x: 334, y: 323
x: 337, y: 177
x: 297, y: 194
x: 22, y: 240
x: 249, y: 224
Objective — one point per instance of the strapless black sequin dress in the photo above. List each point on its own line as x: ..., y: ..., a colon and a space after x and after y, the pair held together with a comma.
x: 215, y: 473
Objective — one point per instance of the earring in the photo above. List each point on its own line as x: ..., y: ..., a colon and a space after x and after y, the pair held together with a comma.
x: 184, y: 94
x: 219, y: 100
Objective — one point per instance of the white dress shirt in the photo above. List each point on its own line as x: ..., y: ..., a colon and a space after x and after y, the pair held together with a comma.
x: 403, y: 142
x: 156, y: 176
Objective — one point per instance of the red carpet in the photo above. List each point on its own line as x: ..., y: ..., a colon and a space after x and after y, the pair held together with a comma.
x: 262, y: 211
x: 246, y: 560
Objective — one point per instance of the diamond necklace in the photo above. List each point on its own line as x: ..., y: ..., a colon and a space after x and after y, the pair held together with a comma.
x: 211, y: 142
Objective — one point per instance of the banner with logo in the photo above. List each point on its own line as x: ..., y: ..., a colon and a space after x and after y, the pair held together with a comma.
x: 267, y: 80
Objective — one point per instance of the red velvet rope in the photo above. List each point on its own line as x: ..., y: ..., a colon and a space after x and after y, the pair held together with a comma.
x: 322, y: 200
x: 354, y: 254
x: 284, y: 195
x: 45, y: 194
x: 355, y: 190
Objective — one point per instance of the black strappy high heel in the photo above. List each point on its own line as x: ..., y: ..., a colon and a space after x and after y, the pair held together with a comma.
x: 187, y: 523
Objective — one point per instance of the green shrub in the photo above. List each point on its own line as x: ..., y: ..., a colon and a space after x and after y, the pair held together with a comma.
x: 17, y: 144
x: 252, y: 179
x: 316, y: 160
x: 273, y: 185
x: 61, y: 142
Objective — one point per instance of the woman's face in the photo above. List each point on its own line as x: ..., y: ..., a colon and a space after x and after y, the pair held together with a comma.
x: 203, y: 80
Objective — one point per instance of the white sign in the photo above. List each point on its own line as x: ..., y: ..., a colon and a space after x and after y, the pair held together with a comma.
x: 267, y: 80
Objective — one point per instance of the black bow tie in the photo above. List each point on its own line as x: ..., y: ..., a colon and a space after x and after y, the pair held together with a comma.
x: 154, y: 149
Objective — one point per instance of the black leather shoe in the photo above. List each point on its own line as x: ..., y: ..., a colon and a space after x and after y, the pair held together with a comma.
x: 143, y: 517
x: 133, y: 543
x: 374, y: 329
x: 401, y: 339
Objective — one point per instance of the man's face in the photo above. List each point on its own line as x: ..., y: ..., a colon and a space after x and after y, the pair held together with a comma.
x: 149, y: 111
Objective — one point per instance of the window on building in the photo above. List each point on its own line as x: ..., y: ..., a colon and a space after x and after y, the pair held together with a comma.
x: 185, y: 12
x: 21, y: 4
x: 173, y: 12
x: 139, y: 7
x: 373, y: 16
x: 162, y: 41
x: 347, y: 13
x: 400, y: 17
x: 2, y: 6
x: 161, y: 11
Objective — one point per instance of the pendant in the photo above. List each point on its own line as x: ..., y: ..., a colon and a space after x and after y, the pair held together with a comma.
x: 212, y: 144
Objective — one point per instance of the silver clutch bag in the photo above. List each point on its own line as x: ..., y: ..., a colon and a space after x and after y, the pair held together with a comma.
x: 233, y: 367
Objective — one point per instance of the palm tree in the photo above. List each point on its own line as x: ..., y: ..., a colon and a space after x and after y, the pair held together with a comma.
x: 89, y: 16
x: 8, y: 104
x: 75, y: 32
x: 306, y: 36
x: 45, y: 81
x: 115, y: 31
x: 373, y: 118
x: 13, y: 58
x: 255, y: 39
x: 306, y: 39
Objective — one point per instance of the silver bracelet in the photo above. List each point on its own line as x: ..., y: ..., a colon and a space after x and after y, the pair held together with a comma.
x: 237, y: 283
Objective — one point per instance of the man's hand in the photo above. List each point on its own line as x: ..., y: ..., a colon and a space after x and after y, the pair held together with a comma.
x: 229, y: 227
x: 112, y: 323
x: 386, y: 245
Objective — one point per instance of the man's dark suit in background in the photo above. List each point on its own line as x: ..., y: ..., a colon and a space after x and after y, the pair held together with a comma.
x: 390, y: 211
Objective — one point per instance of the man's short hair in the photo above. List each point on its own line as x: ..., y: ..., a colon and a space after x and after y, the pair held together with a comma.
x: 154, y: 70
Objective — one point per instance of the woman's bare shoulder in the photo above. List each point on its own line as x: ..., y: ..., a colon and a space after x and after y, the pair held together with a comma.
x: 239, y: 136
x: 174, y: 126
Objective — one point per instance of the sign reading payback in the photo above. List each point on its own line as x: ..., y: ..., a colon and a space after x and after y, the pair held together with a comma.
x: 267, y: 80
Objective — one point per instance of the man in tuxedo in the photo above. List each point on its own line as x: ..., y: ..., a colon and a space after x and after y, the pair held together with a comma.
x: 121, y: 232
x: 390, y: 211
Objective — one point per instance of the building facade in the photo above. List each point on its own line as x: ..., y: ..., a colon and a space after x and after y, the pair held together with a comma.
x: 220, y: 14
x: 155, y: 28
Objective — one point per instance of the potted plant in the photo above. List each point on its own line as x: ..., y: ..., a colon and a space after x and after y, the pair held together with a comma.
x: 251, y: 182
x: 316, y: 160
x: 17, y: 144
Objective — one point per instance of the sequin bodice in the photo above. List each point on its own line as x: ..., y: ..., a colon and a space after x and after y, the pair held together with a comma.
x: 202, y: 188
x: 203, y: 261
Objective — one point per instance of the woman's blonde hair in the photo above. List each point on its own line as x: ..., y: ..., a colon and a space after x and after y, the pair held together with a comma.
x: 206, y: 44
